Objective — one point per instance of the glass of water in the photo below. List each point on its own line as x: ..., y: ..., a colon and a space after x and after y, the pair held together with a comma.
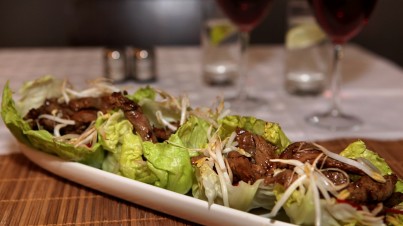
x: 220, y: 47
x: 307, y: 53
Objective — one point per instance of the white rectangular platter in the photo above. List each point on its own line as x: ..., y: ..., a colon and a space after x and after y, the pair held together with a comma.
x: 146, y: 195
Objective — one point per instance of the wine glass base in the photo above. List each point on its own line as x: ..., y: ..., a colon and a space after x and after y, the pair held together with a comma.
x: 335, y: 121
x: 245, y: 106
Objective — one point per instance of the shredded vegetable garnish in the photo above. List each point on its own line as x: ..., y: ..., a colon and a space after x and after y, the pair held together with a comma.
x: 56, y: 130
x: 332, y: 188
x: 180, y: 105
x: 87, y: 138
x: 312, y: 180
x: 98, y: 88
x: 286, y: 195
x: 216, y: 160
x: 174, y: 102
x: 366, y: 162
x: 213, y: 114
x: 184, y: 106
x: 57, y: 119
x: 231, y: 145
x: 64, y: 92
x: 161, y: 120
x: 368, y: 169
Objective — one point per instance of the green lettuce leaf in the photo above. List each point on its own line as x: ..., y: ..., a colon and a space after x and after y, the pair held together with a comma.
x: 299, y: 207
x: 358, y: 149
x: 171, y: 163
x: 272, y: 132
x: 194, y: 134
x: 42, y: 139
x: 399, y: 186
x: 124, y: 148
x: 165, y: 165
x: 12, y: 118
x: 142, y: 94
x: 111, y: 128
x: 34, y: 93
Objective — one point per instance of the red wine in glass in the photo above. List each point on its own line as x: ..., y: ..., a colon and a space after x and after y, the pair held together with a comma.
x: 341, y: 20
x: 246, y: 15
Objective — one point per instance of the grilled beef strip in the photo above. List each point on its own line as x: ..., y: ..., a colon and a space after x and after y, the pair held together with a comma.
x: 366, y: 190
x: 285, y: 178
x: 84, y: 111
x: 162, y: 134
x: 395, y: 199
x: 258, y: 166
x: 336, y: 177
x: 102, y: 103
x: 134, y: 114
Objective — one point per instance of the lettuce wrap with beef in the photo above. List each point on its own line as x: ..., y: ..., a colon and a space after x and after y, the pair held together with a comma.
x: 105, y: 128
x: 239, y: 162
x: 354, y: 187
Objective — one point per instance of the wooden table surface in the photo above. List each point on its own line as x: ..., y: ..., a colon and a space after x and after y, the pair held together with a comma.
x: 30, y: 195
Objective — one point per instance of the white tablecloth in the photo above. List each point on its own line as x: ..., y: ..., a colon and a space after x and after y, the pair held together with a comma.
x: 373, y: 89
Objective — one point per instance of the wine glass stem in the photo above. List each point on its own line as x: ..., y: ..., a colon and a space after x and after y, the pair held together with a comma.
x: 335, y: 73
x: 242, y: 92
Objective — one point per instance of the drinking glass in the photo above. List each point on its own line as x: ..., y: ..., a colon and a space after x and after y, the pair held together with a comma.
x: 341, y: 20
x: 246, y: 15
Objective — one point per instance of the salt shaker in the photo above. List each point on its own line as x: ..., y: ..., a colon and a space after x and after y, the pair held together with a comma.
x: 115, y: 64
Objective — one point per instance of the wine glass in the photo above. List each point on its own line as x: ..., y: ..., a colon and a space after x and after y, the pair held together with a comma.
x: 246, y: 15
x: 341, y: 20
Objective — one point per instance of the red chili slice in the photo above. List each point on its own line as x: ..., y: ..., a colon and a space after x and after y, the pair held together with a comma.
x: 358, y: 207
x: 395, y: 211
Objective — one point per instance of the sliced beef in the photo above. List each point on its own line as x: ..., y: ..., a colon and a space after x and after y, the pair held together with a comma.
x: 395, y: 199
x: 134, y: 114
x: 243, y: 169
x: 260, y: 150
x: 162, y: 134
x: 103, y: 103
x: 84, y: 116
x: 50, y: 107
x: 285, y: 178
x: 307, y: 152
x: 258, y: 165
x: 366, y: 190
x: 87, y: 103
x: 336, y: 177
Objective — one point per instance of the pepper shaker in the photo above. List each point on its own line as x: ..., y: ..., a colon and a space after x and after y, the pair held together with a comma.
x: 142, y: 64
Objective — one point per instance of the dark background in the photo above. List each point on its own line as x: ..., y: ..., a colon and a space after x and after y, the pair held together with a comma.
x: 54, y: 23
